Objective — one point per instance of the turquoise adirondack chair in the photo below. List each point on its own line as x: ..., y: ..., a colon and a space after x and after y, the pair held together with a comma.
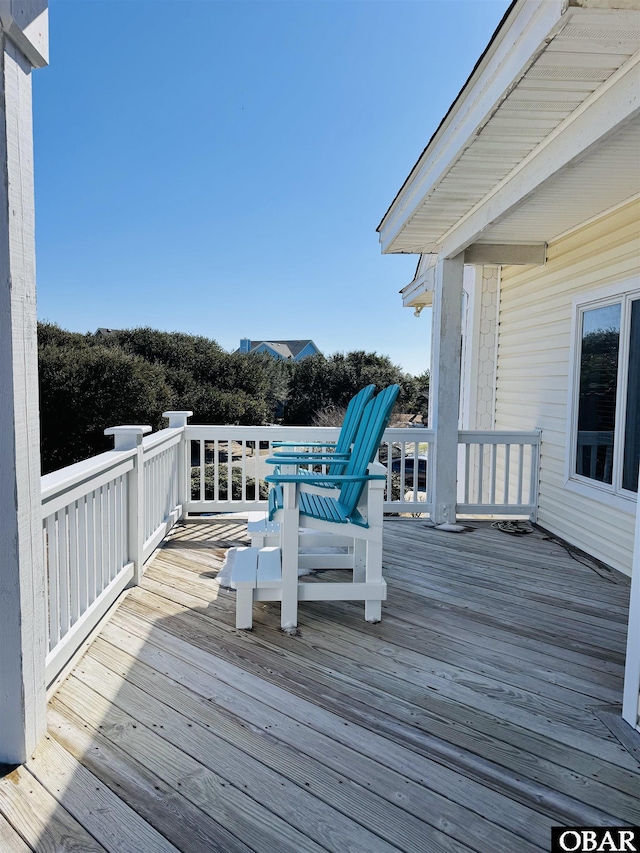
x: 301, y: 462
x: 357, y: 510
x: 339, y: 450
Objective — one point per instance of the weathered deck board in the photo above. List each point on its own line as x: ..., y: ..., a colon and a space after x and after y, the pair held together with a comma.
x: 40, y: 819
x: 346, y: 692
x: 467, y: 720
x: 161, y: 804
x: 273, y: 651
x: 10, y: 841
x: 93, y: 803
x: 169, y: 655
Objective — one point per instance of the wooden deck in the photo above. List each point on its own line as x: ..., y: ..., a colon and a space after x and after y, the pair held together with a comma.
x: 468, y: 719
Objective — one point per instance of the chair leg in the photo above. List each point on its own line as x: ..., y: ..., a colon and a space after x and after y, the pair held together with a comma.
x: 359, y: 560
x: 244, y: 608
x: 373, y: 609
x: 289, y: 543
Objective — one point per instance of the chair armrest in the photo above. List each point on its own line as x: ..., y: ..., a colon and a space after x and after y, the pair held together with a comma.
x: 311, y: 479
x: 315, y: 458
x: 303, y: 443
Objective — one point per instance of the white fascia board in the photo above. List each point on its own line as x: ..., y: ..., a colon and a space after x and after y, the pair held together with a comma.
x: 609, y: 108
x: 522, y: 38
x: 419, y: 291
x: 26, y: 24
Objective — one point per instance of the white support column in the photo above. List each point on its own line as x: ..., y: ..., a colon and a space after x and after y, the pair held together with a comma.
x: 23, y: 612
x: 444, y: 391
x: 128, y: 438
x: 179, y: 420
x: 631, y: 695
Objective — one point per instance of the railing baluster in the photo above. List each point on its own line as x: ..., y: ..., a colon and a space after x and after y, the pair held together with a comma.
x: 102, y: 521
x: 54, y: 580
x: 480, y: 473
x: 202, y: 464
x: 162, y: 490
x: 114, y: 539
x: 507, y: 459
x: 243, y: 462
x: 124, y: 559
x: 83, y: 562
x: 63, y: 562
x: 45, y: 557
x: 494, y: 467
x: 533, y: 478
x: 216, y: 471
x: 157, y: 517
x: 74, y: 569
x: 520, y: 470
x: 154, y: 495
x: 389, y: 471
x: 147, y: 476
x: 467, y: 471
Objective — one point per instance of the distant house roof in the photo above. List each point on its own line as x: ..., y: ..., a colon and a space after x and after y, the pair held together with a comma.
x: 285, y: 349
x: 103, y: 332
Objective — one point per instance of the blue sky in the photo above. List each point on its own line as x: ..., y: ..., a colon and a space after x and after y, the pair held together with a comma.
x: 220, y: 168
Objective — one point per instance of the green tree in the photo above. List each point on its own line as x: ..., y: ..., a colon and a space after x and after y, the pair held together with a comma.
x: 93, y: 381
x: 319, y: 384
x: 84, y: 389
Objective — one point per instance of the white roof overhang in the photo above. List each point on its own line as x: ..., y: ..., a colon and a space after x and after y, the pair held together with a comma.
x: 545, y: 135
x: 419, y: 292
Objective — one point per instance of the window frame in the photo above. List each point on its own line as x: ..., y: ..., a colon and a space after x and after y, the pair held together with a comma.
x: 622, y: 293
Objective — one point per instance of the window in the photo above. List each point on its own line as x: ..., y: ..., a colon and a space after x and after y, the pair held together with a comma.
x: 606, y: 435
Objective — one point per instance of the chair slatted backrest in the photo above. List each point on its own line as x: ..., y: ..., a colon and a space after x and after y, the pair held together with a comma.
x: 350, y: 423
x: 352, y: 417
x: 366, y: 443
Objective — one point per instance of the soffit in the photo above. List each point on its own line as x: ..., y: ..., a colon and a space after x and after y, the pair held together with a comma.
x: 605, y: 178
x: 590, y: 46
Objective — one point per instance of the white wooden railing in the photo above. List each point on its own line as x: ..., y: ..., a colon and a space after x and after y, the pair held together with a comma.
x: 406, y: 453
x: 163, y: 462
x: 85, y: 528
x: 103, y: 518
x: 228, y: 462
x: 498, y: 472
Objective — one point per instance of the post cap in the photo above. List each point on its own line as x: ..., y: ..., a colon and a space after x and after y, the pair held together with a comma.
x: 177, y: 419
x: 127, y: 436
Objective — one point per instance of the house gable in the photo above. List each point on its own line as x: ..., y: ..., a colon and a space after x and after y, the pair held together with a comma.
x: 294, y: 350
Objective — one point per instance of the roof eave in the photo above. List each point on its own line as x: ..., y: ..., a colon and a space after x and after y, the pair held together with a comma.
x: 520, y: 37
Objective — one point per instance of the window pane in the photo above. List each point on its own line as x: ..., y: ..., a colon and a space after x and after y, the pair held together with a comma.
x: 597, y: 401
x: 632, y: 425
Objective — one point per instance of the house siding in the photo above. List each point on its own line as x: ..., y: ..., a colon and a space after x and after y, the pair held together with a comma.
x: 534, y: 365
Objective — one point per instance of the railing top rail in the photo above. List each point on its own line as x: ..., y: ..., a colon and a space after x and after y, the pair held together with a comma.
x: 249, y: 433
x: 161, y: 437
x: 409, y: 434
x: 66, y: 478
x: 499, y: 436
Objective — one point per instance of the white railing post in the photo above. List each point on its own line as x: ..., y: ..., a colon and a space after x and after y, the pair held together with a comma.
x: 128, y: 438
x: 178, y: 420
